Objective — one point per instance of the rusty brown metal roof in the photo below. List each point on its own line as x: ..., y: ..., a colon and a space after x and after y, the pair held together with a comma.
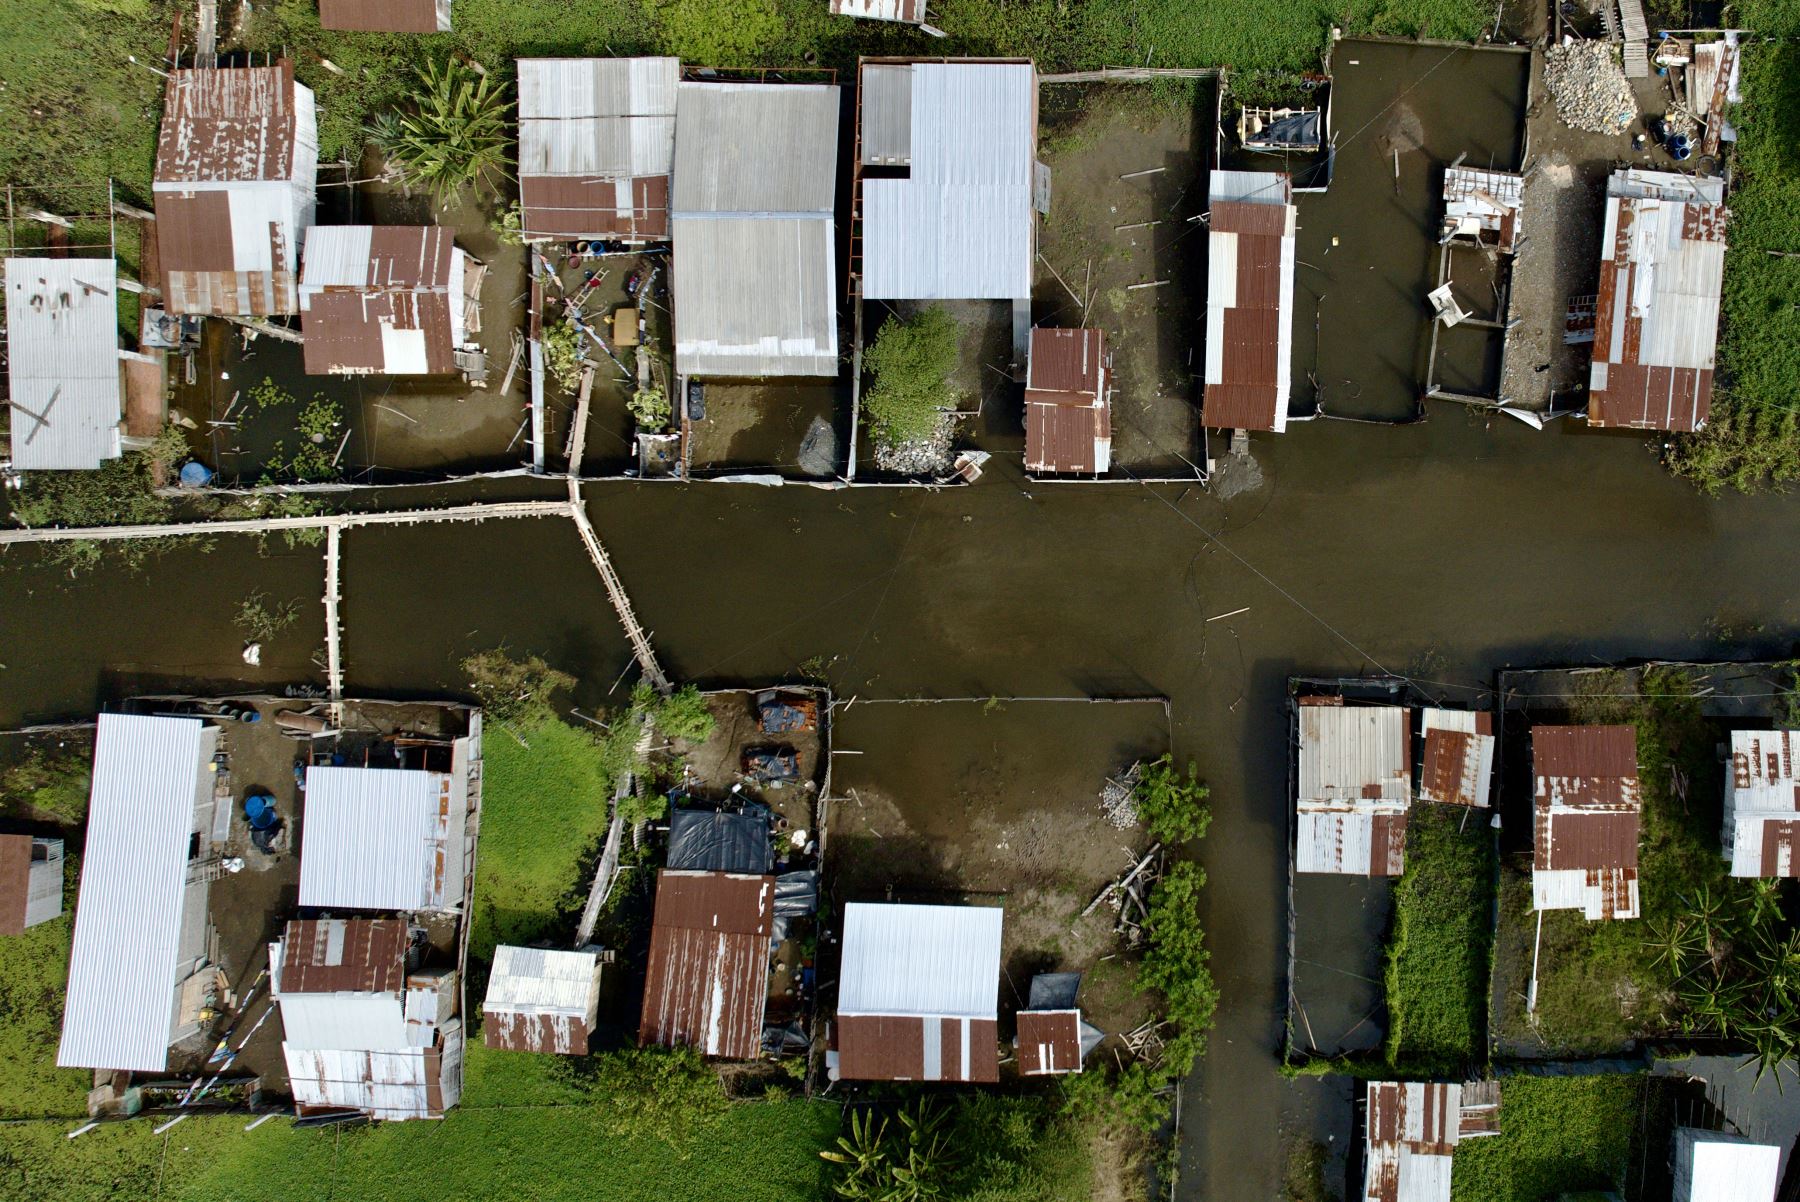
x: 1452, y: 770
x: 15, y: 882
x: 1049, y: 1042
x: 1065, y: 366
x: 708, y: 972
x: 344, y: 955
x: 1570, y: 839
x: 556, y: 1034
x: 228, y: 124
x: 910, y: 1047
x: 1068, y: 420
x: 1412, y: 1129
x: 561, y: 206
x: 386, y: 16
x: 401, y: 283
x: 1246, y: 378
x: 1585, y: 766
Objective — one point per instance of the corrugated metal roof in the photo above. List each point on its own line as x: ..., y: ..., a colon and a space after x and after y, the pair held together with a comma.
x: 755, y: 148
x: 1585, y: 820
x: 1586, y: 767
x: 1351, y: 753
x: 1715, y: 1166
x: 1662, y: 265
x: 1762, y: 804
x: 1411, y: 1133
x: 596, y: 146
x: 755, y: 296
x: 920, y: 960
x: 62, y: 344
x: 912, y: 12
x: 961, y: 226
x: 331, y: 955
x: 1249, y: 301
x: 541, y: 1000
x: 408, y: 1083
x: 1068, y: 414
x: 126, y: 965
x: 382, y: 839
x: 231, y: 124
x: 386, y: 16
x: 1364, y: 841
x: 893, y: 1047
x: 1459, y: 757
x: 708, y: 974
x: 885, y: 135
x: 1049, y: 1042
x: 382, y: 299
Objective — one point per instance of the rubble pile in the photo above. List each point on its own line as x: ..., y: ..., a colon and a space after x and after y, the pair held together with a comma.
x: 1589, y: 86
x: 930, y: 457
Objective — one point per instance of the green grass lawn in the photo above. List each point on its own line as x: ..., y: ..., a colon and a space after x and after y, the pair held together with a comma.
x: 34, y: 969
x: 1558, y: 1135
x: 1437, y: 974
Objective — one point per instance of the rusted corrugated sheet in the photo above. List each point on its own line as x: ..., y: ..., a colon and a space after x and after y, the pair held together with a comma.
x: 228, y: 125
x: 1412, y: 1131
x: 1458, y: 758
x: 336, y: 955
x: 708, y: 972
x: 1592, y: 767
x: 1068, y: 420
x: 1249, y: 301
x: 906, y: 1047
x: 912, y: 12
x: 400, y: 282
x: 1049, y: 1042
x: 386, y: 16
x: 558, y: 206
x: 558, y: 1034
x: 1585, y: 819
x: 15, y: 882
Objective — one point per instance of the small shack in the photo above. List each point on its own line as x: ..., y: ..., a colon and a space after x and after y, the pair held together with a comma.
x: 64, y: 376
x: 1586, y: 813
x: 396, y: 300
x: 918, y: 993
x: 948, y: 179
x: 1459, y: 757
x: 1656, y: 319
x: 907, y: 12
x: 386, y: 16
x: 754, y: 236
x: 1355, y: 784
x: 388, y: 838
x: 707, y: 981
x: 1411, y: 1132
x: 1249, y: 301
x: 363, y: 1029
x: 236, y: 172
x: 31, y: 882
x: 596, y: 147
x: 1068, y: 406
x: 138, y: 969
x: 1762, y: 804
x: 1716, y: 1166
x: 541, y: 1000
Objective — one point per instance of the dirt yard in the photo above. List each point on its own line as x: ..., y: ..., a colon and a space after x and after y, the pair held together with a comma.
x: 786, y: 429
x: 716, y: 766
x: 1106, y: 234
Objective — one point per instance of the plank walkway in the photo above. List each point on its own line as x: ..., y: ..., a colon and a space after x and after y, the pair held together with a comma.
x: 615, y: 589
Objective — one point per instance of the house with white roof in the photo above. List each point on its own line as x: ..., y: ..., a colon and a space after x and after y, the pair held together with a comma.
x: 1762, y: 804
x: 1713, y: 1166
x: 541, y: 1000
x: 1354, y: 787
x: 64, y: 374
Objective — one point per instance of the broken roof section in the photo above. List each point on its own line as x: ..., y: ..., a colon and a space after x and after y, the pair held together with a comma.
x: 1482, y: 206
x: 1586, y: 809
x: 541, y: 1000
x: 918, y: 993
x: 909, y: 12
x: 755, y: 271
x: 1413, y: 1129
x: 950, y: 217
x: 386, y: 16
x: 1762, y: 804
x: 708, y: 976
x: 1068, y: 412
x: 1355, y: 783
x: 63, y: 374
x: 384, y: 838
x: 383, y: 299
x: 1249, y: 301
x: 1459, y: 757
x: 1656, y: 321
x: 235, y: 172
x: 140, y: 921
x: 596, y: 147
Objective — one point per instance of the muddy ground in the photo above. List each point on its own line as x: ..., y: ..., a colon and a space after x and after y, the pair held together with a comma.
x: 1091, y: 136
x: 791, y: 428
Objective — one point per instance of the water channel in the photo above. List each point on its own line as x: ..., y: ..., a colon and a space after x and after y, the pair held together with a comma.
x: 1443, y: 550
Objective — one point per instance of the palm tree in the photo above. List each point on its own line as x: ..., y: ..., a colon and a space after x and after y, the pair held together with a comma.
x: 1675, y: 946
x: 455, y: 131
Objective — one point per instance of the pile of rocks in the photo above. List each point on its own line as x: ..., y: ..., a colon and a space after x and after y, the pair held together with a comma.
x: 930, y: 457
x: 1589, y: 86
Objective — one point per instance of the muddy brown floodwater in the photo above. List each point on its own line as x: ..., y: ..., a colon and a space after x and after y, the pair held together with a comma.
x: 1443, y: 550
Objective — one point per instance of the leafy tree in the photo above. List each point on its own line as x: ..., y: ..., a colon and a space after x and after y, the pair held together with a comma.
x: 455, y: 131
x: 911, y: 361
x: 512, y: 690
x: 1170, y: 806
x: 683, y: 715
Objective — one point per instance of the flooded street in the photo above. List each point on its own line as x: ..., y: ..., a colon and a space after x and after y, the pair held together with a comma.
x: 1443, y: 550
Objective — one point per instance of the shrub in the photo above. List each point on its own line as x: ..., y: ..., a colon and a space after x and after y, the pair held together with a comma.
x: 563, y: 354
x: 649, y: 408
x: 683, y: 715
x: 516, y: 691
x: 455, y: 132
x: 1172, y: 808
x: 718, y: 33
x: 911, y: 361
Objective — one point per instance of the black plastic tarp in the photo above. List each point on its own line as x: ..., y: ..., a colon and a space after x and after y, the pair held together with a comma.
x: 719, y: 840
x: 1054, y: 991
x: 1295, y: 129
x: 797, y: 892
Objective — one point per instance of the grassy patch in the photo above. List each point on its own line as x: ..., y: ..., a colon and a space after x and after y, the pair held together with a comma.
x: 1557, y: 1135
x: 1438, y: 956
x: 34, y: 969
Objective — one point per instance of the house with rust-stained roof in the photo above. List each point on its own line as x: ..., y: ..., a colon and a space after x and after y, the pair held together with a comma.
x: 1411, y: 1133
x: 236, y: 167
x: 386, y: 16
x: 1249, y: 301
x: 1354, y: 787
x: 1762, y: 804
x: 1586, y: 808
x: 596, y: 147
x: 918, y: 994
x: 1458, y: 763
x: 31, y: 882
x: 1656, y: 319
x: 907, y: 12
x: 707, y: 981
x: 1068, y: 403
x: 397, y: 300
x: 541, y: 1000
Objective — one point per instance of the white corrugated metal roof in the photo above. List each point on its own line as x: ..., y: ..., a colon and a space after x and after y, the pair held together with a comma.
x: 1597, y: 893
x: 608, y: 118
x: 750, y: 148
x: 1348, y: 750
x: 389, y: 1085
x: 381, y: 839
x: 149, y: 776
x: 923, y: 960
x: 961, y: 227
x: 1250, y: 187
x: 1763, y: 776
x: 1711, y: 1166
x: 543, y: 981
x: 886, y: 133
x: 62, y: 341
